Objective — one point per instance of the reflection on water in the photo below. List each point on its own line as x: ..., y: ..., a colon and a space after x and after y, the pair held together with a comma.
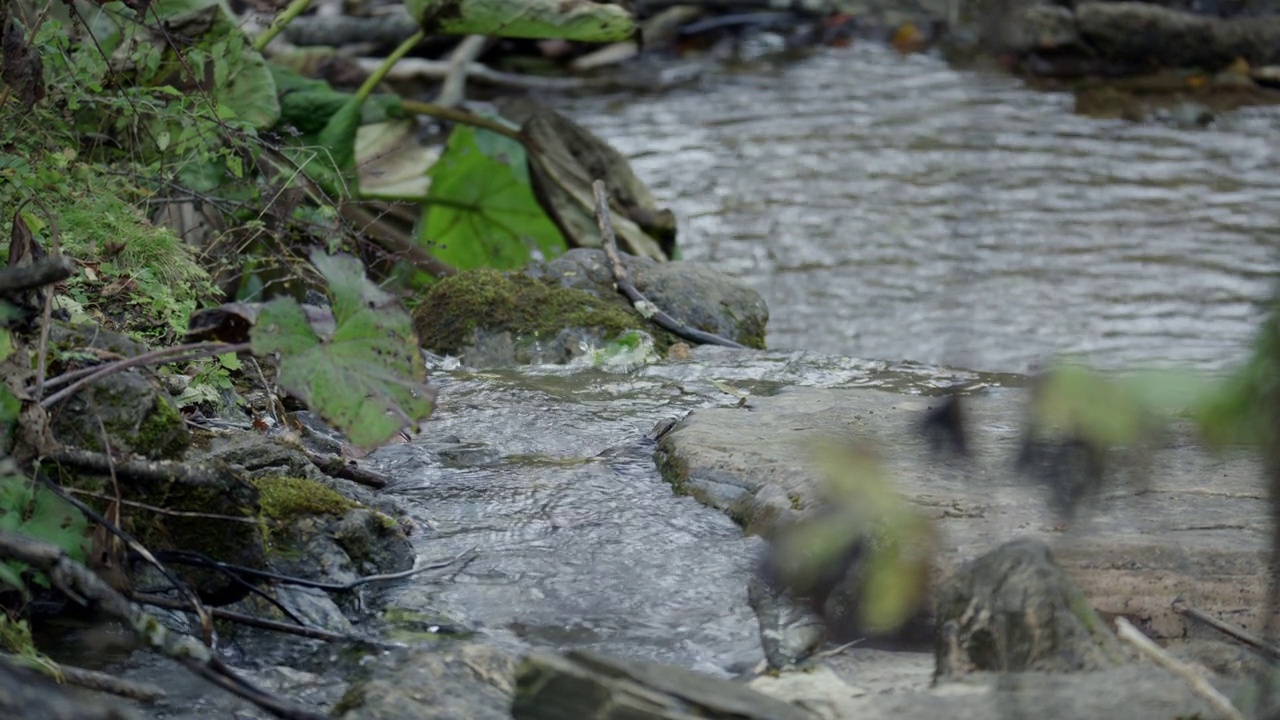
x: 890, y: 207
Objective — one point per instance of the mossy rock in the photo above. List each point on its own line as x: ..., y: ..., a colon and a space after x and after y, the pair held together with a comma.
x: 138, y: 418
x: 488, y: 318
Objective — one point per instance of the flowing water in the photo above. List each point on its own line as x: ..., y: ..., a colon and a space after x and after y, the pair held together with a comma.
x: 545, y: 471
x: 886, y: 207
x: 892, y: 207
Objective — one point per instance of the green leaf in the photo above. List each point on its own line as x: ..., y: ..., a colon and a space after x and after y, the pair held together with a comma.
x: 481, y: 211
x: 33, y: 510
x: 555, y: 19
x: 6, y: 344
x: 367, y: 377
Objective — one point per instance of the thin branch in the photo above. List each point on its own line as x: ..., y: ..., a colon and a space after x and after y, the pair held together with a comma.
x: 164, y: 511
x: 454, y: 115
x: 89, y: 679
x: 416, y: 68
x: 262, y: 623
x: 1201, y: 687
x: 376, y: 77
x: 77, y: 581
x: 155, y: 357
x: 1261, y: 645
x: 609, y: 240
x: 454, y: 88
x: 197, y: 559
x: 281, y: 21
x: 197, y: 607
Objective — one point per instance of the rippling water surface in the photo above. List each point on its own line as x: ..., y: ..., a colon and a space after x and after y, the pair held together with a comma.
x: 891, y: 207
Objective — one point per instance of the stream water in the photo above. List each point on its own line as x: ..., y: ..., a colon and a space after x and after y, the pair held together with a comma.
x: 886, y: 207
x: 892, y: 207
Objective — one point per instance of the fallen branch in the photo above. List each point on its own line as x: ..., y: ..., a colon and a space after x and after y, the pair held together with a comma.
x: 1207, y: 692
x: 81, y: 584
x: 199, y: 560
x: 177, y: 353
x: 90, y: 679
x: 339, y: 467
x: 1244, y: 636
x: 263, y: 623
x: 454, y: 87
x: 419, y: 68
x: 610, y: 243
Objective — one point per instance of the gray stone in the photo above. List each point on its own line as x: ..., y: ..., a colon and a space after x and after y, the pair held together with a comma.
x: 701, y: 297
x: 444, y: 683
x: 1013, y: 609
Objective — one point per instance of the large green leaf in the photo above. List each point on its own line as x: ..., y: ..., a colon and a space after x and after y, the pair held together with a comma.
x: 578, y: 20
x: 33, y: 510
x: 366, y: 377
x: 481, y: 211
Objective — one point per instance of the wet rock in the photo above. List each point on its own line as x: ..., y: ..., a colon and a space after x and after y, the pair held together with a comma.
x: 24, y: 695
x: 553, y: 311
x: 585, y: 685
x: 1138, y: 692
x: 207, y: 509
x: 133, y: 409
x: 701, y: 297
x: 1013, y: 610
x: 454, y: 681
x: 489, y: 319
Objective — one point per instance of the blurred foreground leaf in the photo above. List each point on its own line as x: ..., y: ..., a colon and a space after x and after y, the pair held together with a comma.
x: 864, y: 559
x: 32, y: 510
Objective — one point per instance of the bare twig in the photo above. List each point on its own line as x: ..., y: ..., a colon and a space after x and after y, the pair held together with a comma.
x: 415, y: 68
x: 191, y: 558
x: 165, y: 511
x: 454, y: 87
x: 1261, y: 645
x: 90, y: 679
x: 77, y: 581
x: 610, y: 243
x: 1201, y: 687
x: 176, y: 353
x: 197, y: 607
x: 262, y: 623
x: 455, y: 115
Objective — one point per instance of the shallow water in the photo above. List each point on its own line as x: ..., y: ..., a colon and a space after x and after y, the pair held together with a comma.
x: 891, y: 207
x: 582, y: 544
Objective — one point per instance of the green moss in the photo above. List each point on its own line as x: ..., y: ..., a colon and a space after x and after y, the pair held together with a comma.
x: 524, y: 306
x: 163, y: 432
x: 283, y: 498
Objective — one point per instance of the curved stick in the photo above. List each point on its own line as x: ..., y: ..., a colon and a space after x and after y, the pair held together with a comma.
x: 647, y: 309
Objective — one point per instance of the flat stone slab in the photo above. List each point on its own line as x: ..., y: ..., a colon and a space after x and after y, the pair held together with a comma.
x: 1197, y: 531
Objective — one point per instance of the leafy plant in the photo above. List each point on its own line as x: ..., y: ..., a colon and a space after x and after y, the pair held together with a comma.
x: 30, y: 509
x: 481, y: 210
x: 581, y: 20
x: 365, y: 375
